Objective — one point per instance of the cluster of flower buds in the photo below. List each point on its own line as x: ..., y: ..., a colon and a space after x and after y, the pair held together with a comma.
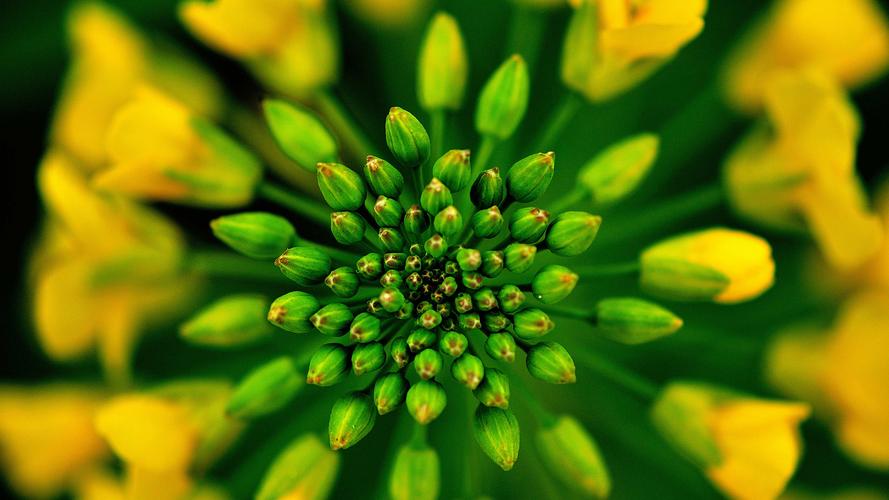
x: 422, y: 295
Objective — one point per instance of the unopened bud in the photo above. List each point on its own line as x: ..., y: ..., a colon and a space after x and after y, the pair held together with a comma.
x: 420, y: 339
x: 436, y: 246
x: 503, y: 100
x: 497, y: 433
x: 329, y: 365
x: 501, y: 346
x: 572, y: 456
x: 435, y: 197
x: 550, y: 362
x: 453, y: 169
x: 341, y: 188
x: 370, y: 266
x: 449, y: 222
x: 391, y: 239
x: 529, y: 177
x: 292, y: 312
x: 299, y: 133
x: 510, y: 298
x: 352, y: 417
x: 265, y: 389
x: 343, y: 282
x: 368, y: 357
x: 347, y: 227
x: 389, y: 392
x: 426, y: 400
x: 469, y: 259
x: 387, y: 212
x: 527, y: 225
x: 453, y: 343
x: 305, y: 265
x: 332, y: 319
x: 415, y: 475
x: 616, y: 172
x: 488, y: 189
x: 572, y: 233
x: 487, y: 223
x: 553, y: 283
x: 442, y: 65
x: 493, y: 262
x: 406, y: 138
x: 468, y: 370
x: 305, y: 469
x: 494, y: 389
x: 365, y: 328
x: 400, y: 352
x: 383, y: 178
x: 634, y: 321
x: 428, y: 363
x: 232, y: 321
x: 259, y: 235
x: 415, y: 220
x: 519, y: 257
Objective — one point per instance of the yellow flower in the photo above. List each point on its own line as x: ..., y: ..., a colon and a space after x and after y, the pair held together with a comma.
x: 718, y: 264
x: 748, y: 447
x: 388, y: 13
x: 797, y: 171
x: 159, y: 150
x: 47, y: 440
x: 846, y: 372
x: 164, y: 435
x: 849, y: 40
x: 612, y: 45
x: 109, y: 60
x: 291, y: 45
x: 104, y: 268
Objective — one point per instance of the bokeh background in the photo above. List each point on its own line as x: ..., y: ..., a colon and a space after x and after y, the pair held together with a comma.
x: 681, y: 102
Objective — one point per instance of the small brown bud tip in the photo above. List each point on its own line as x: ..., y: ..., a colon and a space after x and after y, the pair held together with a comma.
x: 276, y: 314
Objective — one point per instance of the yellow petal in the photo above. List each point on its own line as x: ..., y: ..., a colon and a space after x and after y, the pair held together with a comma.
x: 760, y: 447
x: 613, y: 14
x: 65, y: 311
x: 669, y: 11
x: 99, y: 484
x: 865, y: 441
x: 144, y: 483
x: 241, y: 27
x: 140, y: 181
x: 650, y: 40
x: 148, y: 432
x: 794, y: 361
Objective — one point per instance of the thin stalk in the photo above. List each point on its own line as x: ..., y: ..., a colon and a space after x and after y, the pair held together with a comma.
x: 225, y: 264
x: 485, y: 150
x: 639, y: 385
x: 568, y: 312
x: 564, y: 202
x: 307, y: 207
x: 418, y: 438
x: 615, y: 269
x: 343, y: 124
x: 560, y: 117
x: 437, y: 125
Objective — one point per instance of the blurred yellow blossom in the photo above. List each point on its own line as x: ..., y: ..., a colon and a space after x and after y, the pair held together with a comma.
x: 848, y: 39
x: 291, y: 45
x: 165, y: 434
x: 109, y: 60
x: 612, y: 45
x: 718, y: 264
x: 47, y: 439
x: 748, y: 447
x: 846, y: 371
x: 796, y: 171
x: 103, y: 269
x: 388, y: 13
x: 159, y: 150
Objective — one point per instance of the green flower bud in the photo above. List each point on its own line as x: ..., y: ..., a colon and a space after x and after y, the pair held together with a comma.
x: 406, y: 138
x: 468, y: 370
x: 453, y: 343
x: 347, y: 227
x: 232, y: 321
x: 391, y: 279
x: 442, y: 65
x: 494, y: 389
x: 259, y: 235
x: 368, y: 357
x: 383, y: 178
x: 329, y: 365
x: 529, y: 177
x: 501, y: 346
x: 374, y: 306
x: 365, y: 328
x: 571, y: 455
x: 504, y: 98
x: 616, y: 172
x: 341, y: 188
x: 428, y: 363
x: 292, y: 312
x: 435, y: 197
x: 394, y: 261
x: 527, y: 225
x: 299, y: 134
x: 510, y: 298
x: 519, y: 257
x: 572, y: 233
x: 415, y: 475
x: 634, y: 321
x: 305, y: 469
x: 497, y: 433
x: 487, y: 223
x: 392, y: 299
x: 400, y: 351
x: 436, y: 246
x: 463, y: 303
x: 352, y: 417
x: 387, y: 212
x: 453, y: 169
x: 304, y: 265
x: 265, y: 390
x: 391, y: 239
x: 496, y: 322
x: 469, y: 259
x: 469, y: 321
x: 415, y: 220
x: 426, y: 400
x: 448, y: 286
x: 449, y: 222
x: 488, y: 189
x: 332, y: 319
x: 553, y: 283
x: 370, y: 266
x: 485, y: 299
x: 472, y: 280
x: 420, y: 339
x: 389, y: 392
x: 429, y: 319
x: 343, y: 282
x: 492, y: 263
x: 550, y: 362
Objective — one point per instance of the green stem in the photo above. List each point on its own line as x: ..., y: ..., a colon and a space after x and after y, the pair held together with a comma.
x: 437, y: 125
x: 569, y: 312
x: 563, y: 202
x: 225, y: 264
x: 642, y: 387
x: 615, y: 269
x: 342, y: 122
x: 418, y: 438
x: 485, y: 150
x: 307, y: 207
x: 562, y: 114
